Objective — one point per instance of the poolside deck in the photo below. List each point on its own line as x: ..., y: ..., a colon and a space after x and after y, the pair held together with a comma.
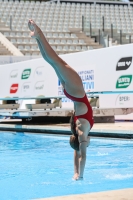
x: 108, y: 126
x: 125, y: 194
x: 116, y: 130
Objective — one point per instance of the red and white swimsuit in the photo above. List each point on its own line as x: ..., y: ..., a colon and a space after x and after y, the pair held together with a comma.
x: 89, y: 114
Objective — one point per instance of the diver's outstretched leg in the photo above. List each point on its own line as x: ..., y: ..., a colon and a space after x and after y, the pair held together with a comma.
x: 70, y: 78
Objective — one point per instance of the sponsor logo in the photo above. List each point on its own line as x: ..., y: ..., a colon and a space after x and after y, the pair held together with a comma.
x: 14, y: 74
x: 39, y: 72
x: 26, y: 73
x: 124, y: 81
x: 39, y: 85
x: 124, y: 63
x: 14, y: 88
x: 25, y: 87
x: 124, y: 98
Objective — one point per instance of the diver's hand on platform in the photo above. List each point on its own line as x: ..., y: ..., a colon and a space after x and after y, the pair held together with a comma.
x: 35, y: 30
x: 79, y: 179
x: 75, y: 177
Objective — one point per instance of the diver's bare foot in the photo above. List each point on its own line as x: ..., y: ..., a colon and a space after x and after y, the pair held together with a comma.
x: 35, y: 30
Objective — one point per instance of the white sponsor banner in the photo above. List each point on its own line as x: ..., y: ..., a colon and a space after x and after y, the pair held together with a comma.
x: 29, y: 78
x: 116, y: 100
x: 107, y: 69
x: 113, y: 66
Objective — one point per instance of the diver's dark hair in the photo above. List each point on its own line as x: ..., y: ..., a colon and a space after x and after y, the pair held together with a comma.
x: 72, y: 124
x: 74, y: 143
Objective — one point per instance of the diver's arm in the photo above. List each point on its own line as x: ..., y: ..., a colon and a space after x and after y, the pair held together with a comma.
x: 76, y: 162
x: 76, y: 165
x: 82, y: 159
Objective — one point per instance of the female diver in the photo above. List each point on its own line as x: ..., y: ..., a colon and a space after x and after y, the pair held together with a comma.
x: 82, y: 119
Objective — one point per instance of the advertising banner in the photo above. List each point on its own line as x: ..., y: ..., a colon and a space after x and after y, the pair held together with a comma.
x: 28, y: 79
x: 116, y: 100
x: 107, y: 69
x: 113, y: 67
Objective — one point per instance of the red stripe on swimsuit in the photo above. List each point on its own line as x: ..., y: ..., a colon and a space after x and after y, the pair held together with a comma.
x: 89, y: 114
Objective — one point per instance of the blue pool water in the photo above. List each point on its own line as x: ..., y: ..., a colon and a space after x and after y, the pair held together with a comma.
x: 37, y: 166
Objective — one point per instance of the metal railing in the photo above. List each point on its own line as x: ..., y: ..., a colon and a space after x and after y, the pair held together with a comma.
x: 113, y: 33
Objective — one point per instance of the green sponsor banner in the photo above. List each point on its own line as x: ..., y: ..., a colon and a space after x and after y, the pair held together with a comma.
x: 123, y: 81
x: 26, y: 73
